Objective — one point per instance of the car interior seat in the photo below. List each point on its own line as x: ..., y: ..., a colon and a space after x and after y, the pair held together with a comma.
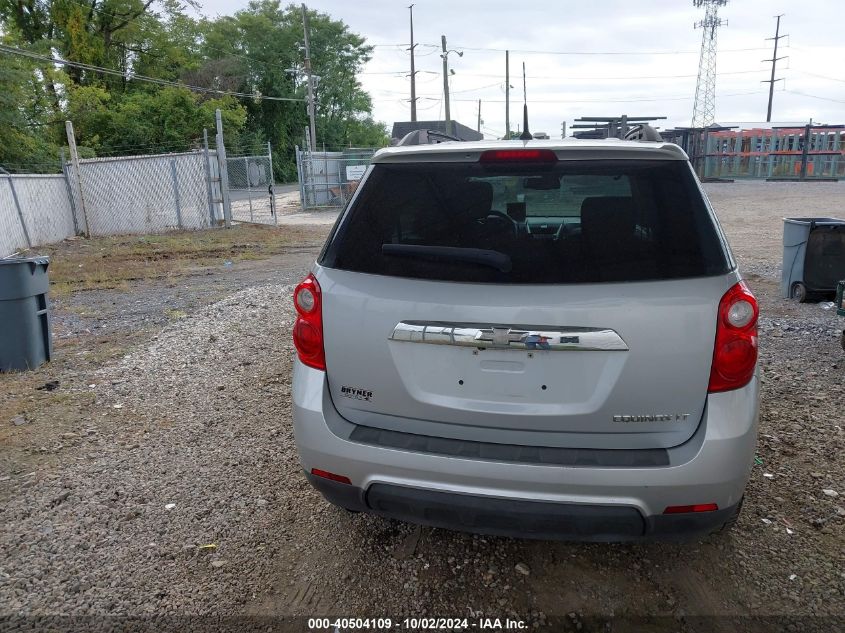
x: 608, y: 236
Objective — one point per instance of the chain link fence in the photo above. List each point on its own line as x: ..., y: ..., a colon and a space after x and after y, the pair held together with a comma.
x: 329, y: 179
x: 34, y: 209
x: 252, y: 188
x: 140, y: 194
x: 111, y: 196
x: 155, y: 193
x: 145, y: 194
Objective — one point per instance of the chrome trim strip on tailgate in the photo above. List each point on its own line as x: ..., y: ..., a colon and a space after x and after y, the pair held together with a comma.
x: 517, y: 337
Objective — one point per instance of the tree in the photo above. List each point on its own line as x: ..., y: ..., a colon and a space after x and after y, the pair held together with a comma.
x: 256, y: 51
x: 263, y: 45
x: 148, y: 121
x: 25, y: 130
x: 343, y: 107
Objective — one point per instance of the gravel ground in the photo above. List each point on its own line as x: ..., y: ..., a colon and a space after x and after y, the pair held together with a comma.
x: 178, y: 490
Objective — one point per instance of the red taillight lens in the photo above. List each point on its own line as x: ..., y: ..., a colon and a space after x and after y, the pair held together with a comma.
x: 698, y: 507
x: 518, y: 156
x: 735, y: 350
x: 327, y: 475
x: 308, y: 329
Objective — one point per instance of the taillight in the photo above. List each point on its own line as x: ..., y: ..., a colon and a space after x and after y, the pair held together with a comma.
x: 518, y: 156
x: 341, y: 479
x: 308, y: 329
x: 697, y: 507
x: 735, y: 351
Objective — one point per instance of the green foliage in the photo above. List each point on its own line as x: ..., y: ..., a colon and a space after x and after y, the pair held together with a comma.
x: 255, y: 51
x: 146, y: 121
x: 262, y: 45
x: 25, y: 144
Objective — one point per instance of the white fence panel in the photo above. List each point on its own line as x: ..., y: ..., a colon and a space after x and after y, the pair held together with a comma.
x: 129, y: 194
x: 45, y: 206
x: 145, y: 194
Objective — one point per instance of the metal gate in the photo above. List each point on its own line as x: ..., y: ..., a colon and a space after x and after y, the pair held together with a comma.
x: 252, y: 188
x: 328, y: 179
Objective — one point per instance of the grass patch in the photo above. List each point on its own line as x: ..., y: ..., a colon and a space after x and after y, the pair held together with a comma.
x: 114, y: 262
x: 175, y: 315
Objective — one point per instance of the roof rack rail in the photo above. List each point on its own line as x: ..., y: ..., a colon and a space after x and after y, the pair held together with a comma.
x: 643, y: 132
x: 426, y: 137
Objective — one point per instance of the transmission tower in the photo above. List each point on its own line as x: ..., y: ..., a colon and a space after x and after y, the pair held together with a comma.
x: 704, y: 110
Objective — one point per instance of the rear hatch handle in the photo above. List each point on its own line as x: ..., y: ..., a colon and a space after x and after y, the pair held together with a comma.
x: 515, y: 337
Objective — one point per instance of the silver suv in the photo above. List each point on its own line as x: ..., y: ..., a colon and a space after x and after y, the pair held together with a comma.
x: 546, y: 339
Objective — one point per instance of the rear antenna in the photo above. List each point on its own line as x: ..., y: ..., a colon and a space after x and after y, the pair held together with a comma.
x: 526, y: 135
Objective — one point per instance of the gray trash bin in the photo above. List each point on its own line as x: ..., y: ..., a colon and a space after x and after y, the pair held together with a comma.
x: 24, y: 313
x: 813, y: 256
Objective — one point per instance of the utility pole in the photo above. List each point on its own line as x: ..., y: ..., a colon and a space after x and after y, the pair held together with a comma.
x: 223, y: 168
x: 77, y: 173
x: 479, y: 116
x: 413, y: 72
x: 774, y: 61
x: 563, y: 129
x: 311, y: 115
x: 445, y: 57
x: 507, y: 96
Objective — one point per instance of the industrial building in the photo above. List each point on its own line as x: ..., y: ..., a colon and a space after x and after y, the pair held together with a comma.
x: 458, y: 130
x: 764, y: 150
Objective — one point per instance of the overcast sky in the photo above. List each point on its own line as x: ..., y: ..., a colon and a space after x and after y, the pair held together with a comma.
x: 621, y: 57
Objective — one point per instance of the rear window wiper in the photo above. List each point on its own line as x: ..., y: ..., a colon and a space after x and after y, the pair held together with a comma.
x: 480, y: 256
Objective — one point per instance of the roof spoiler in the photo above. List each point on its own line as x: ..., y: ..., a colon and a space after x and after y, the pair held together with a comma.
x: 642, y: 132
x: 426, y: 137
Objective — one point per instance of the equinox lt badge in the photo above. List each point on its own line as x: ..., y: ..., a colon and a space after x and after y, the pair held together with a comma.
x: 654, y: 417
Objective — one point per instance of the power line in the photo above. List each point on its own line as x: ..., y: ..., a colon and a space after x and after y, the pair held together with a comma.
x: 540, y: 52
x: 399, y: 72
x: 595, y: 78
x: 804, y: 94
x: 635, y: 100
x: 405, y: 45
x: 9, y: 50
x: 804, y: 72
x: 601, y: 78
x: 627, y: 53
x: 434, y: 96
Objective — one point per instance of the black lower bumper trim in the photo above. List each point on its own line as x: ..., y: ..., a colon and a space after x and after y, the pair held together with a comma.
x: 519, y: 519
x: 506, y: 517
x: 547, y: 455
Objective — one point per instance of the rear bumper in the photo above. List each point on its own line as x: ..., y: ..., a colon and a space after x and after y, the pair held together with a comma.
x: 517, y: 518
x: 604, y: 503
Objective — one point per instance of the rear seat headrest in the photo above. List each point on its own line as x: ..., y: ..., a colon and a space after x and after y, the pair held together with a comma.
x: 607, y: 217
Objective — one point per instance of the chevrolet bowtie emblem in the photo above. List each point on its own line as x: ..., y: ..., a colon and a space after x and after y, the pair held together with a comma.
x: 501, y: 336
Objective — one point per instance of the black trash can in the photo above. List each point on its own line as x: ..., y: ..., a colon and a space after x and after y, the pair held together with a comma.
x: 813, y: 256
x: 25, y: 341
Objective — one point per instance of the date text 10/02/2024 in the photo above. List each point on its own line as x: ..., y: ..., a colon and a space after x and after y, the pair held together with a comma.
x: 416, y: 624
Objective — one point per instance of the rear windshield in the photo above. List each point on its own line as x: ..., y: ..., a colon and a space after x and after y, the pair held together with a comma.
x: 568, y: 222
